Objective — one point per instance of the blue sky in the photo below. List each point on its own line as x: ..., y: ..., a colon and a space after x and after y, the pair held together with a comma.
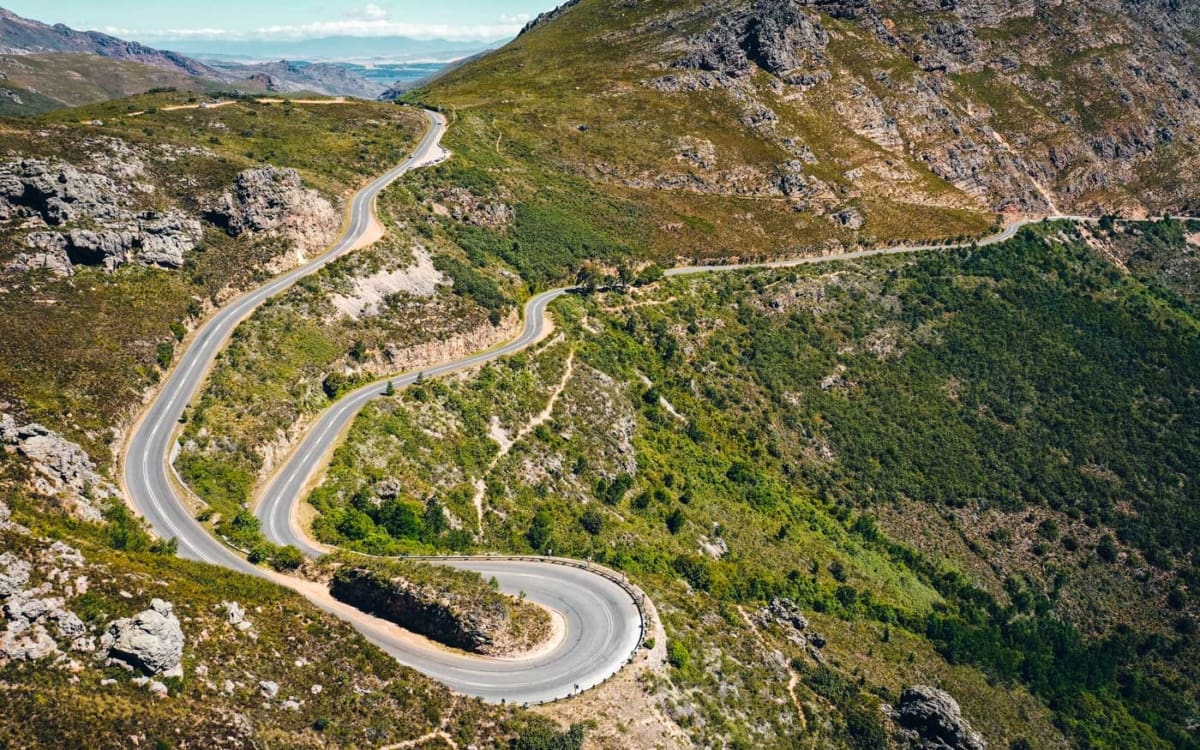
x: 159, y: 20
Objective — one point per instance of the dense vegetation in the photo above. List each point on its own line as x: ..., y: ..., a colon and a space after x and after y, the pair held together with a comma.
x: 1030, y: 396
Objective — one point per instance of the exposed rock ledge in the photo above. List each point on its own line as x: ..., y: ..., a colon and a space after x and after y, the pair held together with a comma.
x: 932, y: 720
x: 453, y: 607
x: 57, y: 195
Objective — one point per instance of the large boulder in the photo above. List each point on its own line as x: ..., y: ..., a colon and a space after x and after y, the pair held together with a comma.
x: 151, y: 640
x: 934, y: 720
x: 274, y: 201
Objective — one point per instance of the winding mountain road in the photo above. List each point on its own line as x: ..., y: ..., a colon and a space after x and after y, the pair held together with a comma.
x: 602, y: 623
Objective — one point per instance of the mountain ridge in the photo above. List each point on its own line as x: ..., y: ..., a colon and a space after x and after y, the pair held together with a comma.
x: 22, y: 36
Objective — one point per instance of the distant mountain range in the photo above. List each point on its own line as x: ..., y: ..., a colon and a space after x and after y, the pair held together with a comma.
x: 23, y: 36
x: 389, y: 49
x: 337, y: 66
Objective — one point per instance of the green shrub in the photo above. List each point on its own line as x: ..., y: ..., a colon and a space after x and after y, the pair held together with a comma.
x: 677, y: 654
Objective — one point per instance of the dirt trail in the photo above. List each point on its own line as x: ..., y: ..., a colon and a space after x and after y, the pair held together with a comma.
x: 506, y: 442
x: 793, y: 677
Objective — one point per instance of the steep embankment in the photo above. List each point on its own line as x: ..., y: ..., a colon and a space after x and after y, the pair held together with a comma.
x: 457, y: 608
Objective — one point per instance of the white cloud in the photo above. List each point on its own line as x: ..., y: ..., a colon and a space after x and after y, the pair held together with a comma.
x: 373, y: 12
x: 371, y: 20
x: 386, y: 27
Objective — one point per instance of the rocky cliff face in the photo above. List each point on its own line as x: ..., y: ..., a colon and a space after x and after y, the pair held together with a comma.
x: 1025, y: 108
x: 69, y: 216
x: 275, y: 201
x: 1028, y: 108
x: 85, y: 218
x: 428, y: 610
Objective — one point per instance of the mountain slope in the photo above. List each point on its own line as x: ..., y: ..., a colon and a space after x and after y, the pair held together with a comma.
x: 888, y: 119
x: 290, y: 77
x: 21, y: 36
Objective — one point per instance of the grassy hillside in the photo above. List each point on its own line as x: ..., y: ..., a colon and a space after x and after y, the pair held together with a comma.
x: 977, y: 458
x: 346, y: 692
x: 46, y: 82
x: 78, y: 353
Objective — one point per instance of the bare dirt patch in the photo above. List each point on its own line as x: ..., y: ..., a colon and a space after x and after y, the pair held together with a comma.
x: 420, y: 279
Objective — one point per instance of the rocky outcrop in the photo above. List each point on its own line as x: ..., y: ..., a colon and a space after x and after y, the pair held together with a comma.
x: 37, y: 623
x: 275, y: 201
x: 462, y: 205
x: 549, y: 16
x: 932, y: 720
x: 96, y: 225
x: 57, y: 192
x: 14, y: 574
x: 62, y: 469
x: 778, y: 37
x: 151, y: 640
x: 425, y: 609
x: 785, y: 615
x: 1010, y: 113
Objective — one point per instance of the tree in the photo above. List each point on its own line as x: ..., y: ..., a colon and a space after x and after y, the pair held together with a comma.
x: 651, y: 274
x: 612, y: 492
x: 538, y: 535
x: 677, y: 654
x: 544, y: 738
x: 287, y: 558
x: 675, y: 521
x: 359, y: 350
x: 333, y: 384
x: 1176, y: 599
x: 390, y: 390
x: 165, y: 353
x: 435, y: 518
x: 1107, y: 548
x: 403, y: 519
x: 592, y: 521
x: 355, y: 525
